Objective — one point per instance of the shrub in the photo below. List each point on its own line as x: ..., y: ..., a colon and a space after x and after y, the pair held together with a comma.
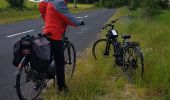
x: 97, y: 4
x: 109, y: 4
x: 163, y: 3
x: 134, y: 4
x: 18, y: 4
x: 150, y: 8
x: 115, y: 3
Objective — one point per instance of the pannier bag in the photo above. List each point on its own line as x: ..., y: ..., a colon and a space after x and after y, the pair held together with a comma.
x: 17, y: 54
x: 40, y: 57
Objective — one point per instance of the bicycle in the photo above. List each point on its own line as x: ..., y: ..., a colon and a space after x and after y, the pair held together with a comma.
x: 128, y: 55
x: 29, y: 82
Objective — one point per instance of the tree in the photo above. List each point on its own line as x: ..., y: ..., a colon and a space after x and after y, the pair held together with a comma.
x: 134, y: 4
x: 163, y: 3
x: 150, y: 8
x: 18, y: 4
x: 75, y: 4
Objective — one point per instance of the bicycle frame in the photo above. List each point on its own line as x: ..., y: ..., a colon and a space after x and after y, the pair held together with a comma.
x: 66, y: 43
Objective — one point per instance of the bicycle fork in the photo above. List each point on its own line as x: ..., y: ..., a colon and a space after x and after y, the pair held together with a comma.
x: 69, y: 55
x: 107, y: 48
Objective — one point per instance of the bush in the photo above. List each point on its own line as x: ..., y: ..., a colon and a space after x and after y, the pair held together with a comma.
x: 109, y: 4
x: 150, y: 8
x: 97, y: 4
x: 134, y: 4
x: 115, y: 3
x: 18, y: 4
x: 163, y: 3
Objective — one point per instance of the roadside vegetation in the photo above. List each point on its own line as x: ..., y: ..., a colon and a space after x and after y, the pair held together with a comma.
x: 30, y: 11
x: 153, y: 35
x: 95, y: 80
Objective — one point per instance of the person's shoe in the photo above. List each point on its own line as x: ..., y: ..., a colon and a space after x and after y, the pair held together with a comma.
x: 64, y: 91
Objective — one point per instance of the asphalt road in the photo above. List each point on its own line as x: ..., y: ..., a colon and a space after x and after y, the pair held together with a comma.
x: 81, y: 37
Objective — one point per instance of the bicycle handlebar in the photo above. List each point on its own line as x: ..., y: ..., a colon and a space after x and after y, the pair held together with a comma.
x: 114, y: 21
x: 110, y: 24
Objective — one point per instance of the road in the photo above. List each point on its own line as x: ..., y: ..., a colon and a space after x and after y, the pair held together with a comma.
x: 81, y: 37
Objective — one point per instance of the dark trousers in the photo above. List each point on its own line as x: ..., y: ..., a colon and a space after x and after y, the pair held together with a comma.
x: 58, y: 53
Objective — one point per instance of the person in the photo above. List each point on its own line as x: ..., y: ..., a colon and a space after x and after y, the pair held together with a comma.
x: 57, y: 17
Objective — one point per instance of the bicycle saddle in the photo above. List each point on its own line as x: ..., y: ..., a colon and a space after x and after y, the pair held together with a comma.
x: 126, y: 36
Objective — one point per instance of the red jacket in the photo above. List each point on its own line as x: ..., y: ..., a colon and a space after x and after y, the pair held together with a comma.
x: 56, y: 16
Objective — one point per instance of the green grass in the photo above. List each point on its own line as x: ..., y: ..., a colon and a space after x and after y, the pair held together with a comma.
x: 3, y: 4
x: 154, y: 38
x: 95, y: 80
x: 31, y: 11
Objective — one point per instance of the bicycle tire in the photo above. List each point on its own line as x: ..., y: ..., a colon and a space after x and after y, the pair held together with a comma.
x: 132, y: 70
x: 21, y: 94
x: 70, y: 60
x: 98, y: 47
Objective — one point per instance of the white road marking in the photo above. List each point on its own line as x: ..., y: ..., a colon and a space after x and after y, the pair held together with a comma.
x: 19, y: 33
x: 42, y: 27
x: 82, y: 17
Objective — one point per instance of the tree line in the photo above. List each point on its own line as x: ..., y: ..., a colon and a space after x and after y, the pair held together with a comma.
x: 150, y: 7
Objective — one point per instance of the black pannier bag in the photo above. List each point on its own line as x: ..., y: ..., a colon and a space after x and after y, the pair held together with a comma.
x: 17, y: 55
x: 40, y: 57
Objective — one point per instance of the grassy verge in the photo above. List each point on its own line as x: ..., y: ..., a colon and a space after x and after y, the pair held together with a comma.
x: 31, y: 11
x: 95, y: 80
x: 154, y: 38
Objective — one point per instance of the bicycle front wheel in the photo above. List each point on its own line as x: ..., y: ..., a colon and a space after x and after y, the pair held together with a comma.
x: 70, y: 60
x: 102, y: 48
x: 133, y: 65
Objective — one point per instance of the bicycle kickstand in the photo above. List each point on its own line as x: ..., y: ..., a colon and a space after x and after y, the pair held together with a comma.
x: 120, y: 74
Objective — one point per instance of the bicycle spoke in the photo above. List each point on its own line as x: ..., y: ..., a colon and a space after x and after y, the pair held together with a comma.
x: 23, y: 83
x: 132, y: 61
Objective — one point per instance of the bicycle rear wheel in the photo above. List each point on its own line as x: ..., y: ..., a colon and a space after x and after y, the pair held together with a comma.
x: 101, y: 48
x: 25, y: 86
x: 133, y: 65
x: 70, y: 60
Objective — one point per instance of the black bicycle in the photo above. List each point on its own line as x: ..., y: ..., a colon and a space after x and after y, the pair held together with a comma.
x: 29, y: 82
x: 128, y: 55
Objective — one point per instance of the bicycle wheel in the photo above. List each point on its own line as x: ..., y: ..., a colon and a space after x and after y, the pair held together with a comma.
x: 133, y: 65
x: 70, y: 60
x: 25, y: 86
x: 101, y: 48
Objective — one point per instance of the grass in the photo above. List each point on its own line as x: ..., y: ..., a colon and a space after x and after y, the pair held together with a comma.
x: 31, y: 11
x: 95, y: 80
x: 154, y: 38
x: 3, y: 4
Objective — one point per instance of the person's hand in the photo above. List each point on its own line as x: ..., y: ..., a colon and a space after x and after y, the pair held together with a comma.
x: 82, y: 23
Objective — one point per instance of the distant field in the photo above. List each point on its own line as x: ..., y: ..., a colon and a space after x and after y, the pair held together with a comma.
x: 3, y: 4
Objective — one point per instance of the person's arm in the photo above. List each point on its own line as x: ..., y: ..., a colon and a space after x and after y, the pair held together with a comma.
x: 42, y: 8
x: 65, y: 14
